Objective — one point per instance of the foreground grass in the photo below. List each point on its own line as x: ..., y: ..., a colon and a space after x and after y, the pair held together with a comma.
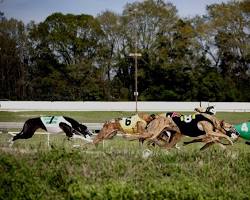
x: 117, y: 170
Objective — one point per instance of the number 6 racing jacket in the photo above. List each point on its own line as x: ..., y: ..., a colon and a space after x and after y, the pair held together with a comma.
x: 129, y: 124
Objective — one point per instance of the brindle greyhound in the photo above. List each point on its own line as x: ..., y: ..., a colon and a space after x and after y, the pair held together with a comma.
x: 205, y: 127
x: 53, y: 124
x: 165, y: 135
x: 133, y: 125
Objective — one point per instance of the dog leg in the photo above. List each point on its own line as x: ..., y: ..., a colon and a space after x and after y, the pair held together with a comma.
x: 206, y: 145
x: 111, y: 135
x: 150, y: 143
x: 177, y: 147
x: 105, y: 136
x: 11, y: 142
x: 162, y: 139
x: 157, y: 126
x: 213, y: 141
x: 29, y: 128
x: 144, y: 136
x: 221, y: 145
x: 72, y: 133
x: 202, y: 138
x: 157, y: 142
x: 131, y: 137
x: 86, y: 139
x: 208, y: 128
x: 68, y: 130
x: 173, y: 140
x: 221, y: 135
x: 193, y: 141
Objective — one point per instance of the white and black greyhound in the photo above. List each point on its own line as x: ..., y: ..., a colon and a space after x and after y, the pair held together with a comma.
x: 54, y: 124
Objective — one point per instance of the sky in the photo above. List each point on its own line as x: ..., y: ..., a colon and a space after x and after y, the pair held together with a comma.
x: 38, y: 10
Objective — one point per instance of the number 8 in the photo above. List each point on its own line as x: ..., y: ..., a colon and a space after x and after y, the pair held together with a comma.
x: 187, y: 118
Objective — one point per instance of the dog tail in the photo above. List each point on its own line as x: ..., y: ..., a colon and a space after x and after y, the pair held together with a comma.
x: 12, y: 134
x: 11, y: 141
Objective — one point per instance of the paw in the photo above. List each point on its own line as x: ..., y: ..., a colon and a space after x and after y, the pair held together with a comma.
x: 10, y: 143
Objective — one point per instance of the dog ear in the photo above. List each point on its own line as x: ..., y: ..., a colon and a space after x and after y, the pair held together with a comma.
x: 153, y: 116
x: 200, y: 109
x: 145, y: 116
x: 83, y: 127
x: 222, y: 122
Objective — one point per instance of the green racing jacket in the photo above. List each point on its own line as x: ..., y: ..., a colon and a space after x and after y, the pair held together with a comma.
x: 244, y: 130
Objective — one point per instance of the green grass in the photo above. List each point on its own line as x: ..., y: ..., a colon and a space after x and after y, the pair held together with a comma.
x: 80, y: 115
x: 104, y: 116
x: 117, y: 170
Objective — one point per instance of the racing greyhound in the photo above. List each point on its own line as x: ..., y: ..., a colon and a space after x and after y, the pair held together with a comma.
x: 53, y: 124
x: 205, y: 127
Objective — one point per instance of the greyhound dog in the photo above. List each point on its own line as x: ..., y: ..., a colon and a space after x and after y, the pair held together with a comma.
x: 53, y: 124
x: 133, y: 125
x: 205, y: 127
x: 165, y: 135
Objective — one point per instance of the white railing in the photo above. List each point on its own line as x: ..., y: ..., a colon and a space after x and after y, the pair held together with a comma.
x: 145, y: 106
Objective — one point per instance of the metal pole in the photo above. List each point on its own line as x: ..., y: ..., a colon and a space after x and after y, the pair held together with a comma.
x: 136, y: 89
x: 135, y: 55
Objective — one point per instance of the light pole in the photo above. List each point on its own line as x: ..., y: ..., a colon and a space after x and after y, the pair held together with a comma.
x: 135, y: 55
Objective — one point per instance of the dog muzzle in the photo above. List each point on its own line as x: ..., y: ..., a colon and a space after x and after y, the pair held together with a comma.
x: 88, y: 132
x: 233, y: 134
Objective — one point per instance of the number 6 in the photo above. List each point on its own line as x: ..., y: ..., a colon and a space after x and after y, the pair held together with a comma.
x: 127, y: 122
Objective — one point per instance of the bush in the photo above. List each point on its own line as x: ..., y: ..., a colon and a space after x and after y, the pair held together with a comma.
x: 118, y: 174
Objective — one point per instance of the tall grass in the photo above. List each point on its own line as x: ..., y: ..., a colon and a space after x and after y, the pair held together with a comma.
x: 117, y: 170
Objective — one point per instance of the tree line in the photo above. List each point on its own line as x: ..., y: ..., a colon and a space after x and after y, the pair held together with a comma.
x: 82, y: 57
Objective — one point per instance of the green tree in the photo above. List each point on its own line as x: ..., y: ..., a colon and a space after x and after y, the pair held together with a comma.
x: 12, y: 59
x: 224, y: 38
x: 141, y: 23
x: 110, y: 25
x: 66, y: 57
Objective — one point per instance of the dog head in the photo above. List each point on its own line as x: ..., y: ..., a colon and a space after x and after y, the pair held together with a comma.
x: 84, y: 130
x: 147, y: 117
x: 208, y: 110
x: 230, y: 130
x: 108, y: 128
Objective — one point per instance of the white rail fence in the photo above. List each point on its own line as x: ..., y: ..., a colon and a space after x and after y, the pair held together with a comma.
x: 145, y: 106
